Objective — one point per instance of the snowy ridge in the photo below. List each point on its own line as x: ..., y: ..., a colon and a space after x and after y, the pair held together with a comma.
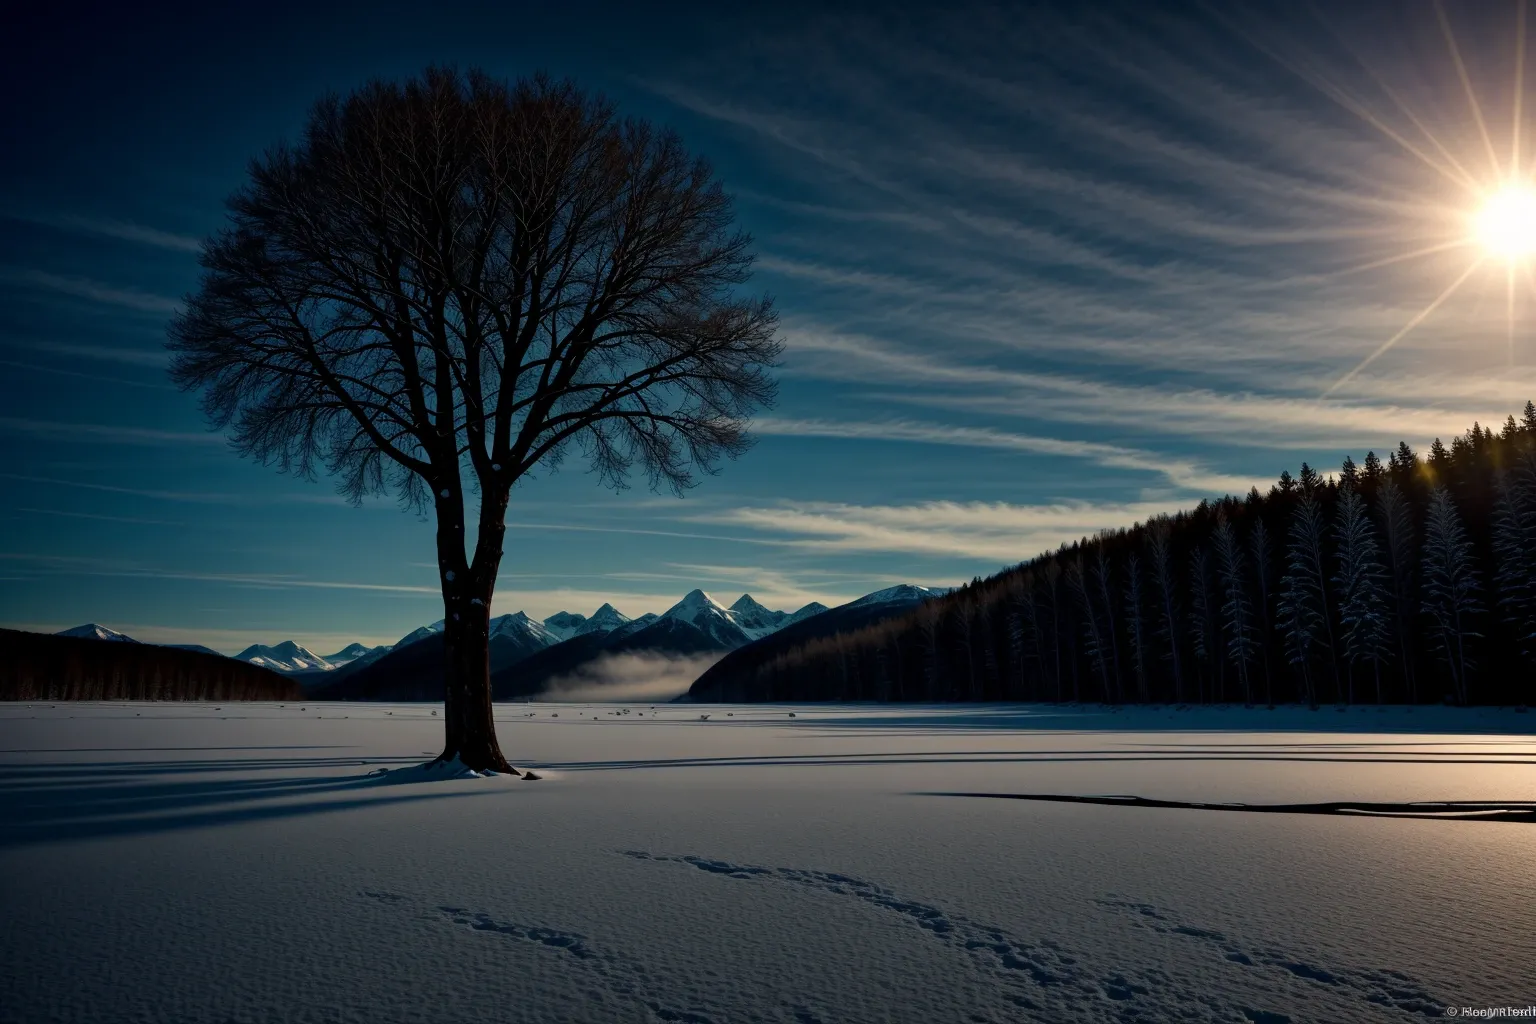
x: 287, y: 656
x: 710, y: 617
x: 93, y: 631
x: 903, y: 593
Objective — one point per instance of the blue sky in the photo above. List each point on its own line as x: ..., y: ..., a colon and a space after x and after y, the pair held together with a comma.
x: 1040, y: 273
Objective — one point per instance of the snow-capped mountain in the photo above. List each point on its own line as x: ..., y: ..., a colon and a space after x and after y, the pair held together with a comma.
x: 565, y: 624
x: 710, y: 617
x: 93, y: 631
x: 904, y: 593
x: 568, y: 624
x: 419, y: 633
x: 758, y: 621
x: 284, y: 657
x: 518, y: 624
x: 355, y: 652
x: 633, y: 626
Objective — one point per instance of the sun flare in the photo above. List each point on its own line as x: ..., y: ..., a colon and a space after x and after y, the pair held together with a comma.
x: 1506, y: 225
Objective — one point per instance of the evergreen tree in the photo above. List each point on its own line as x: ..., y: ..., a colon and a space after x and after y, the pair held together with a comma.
x: 1450, y: 588
x: 1305, y: 586
x: 1160, y: 556
x: 1362, y: 607
x: 1136, y: 624
x: 1514, y: 545
x: 1093, y: 630
x: 1397, y: 528
x: 1204, y: 628
x: 1236, y: 610
x: 1259, y: 543
x: 1101, y: 579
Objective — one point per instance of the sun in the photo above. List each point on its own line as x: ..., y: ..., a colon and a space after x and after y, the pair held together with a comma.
x: 1506, y: 225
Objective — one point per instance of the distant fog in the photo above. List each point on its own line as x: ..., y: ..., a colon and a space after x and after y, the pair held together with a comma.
x: 641, y: 676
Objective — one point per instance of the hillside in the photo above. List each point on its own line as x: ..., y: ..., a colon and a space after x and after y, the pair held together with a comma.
x: 37, y: 666
x: 718, y: 681
x: 1406, y: 581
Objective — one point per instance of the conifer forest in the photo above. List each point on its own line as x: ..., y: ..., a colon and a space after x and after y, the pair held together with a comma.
x: 1409, y: 579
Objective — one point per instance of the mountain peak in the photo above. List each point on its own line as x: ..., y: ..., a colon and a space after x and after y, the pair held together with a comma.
x: 748, y: 603
x: 96, y: 631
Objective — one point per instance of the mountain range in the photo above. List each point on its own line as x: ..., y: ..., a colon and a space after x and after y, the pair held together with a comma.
x: 526, y: 653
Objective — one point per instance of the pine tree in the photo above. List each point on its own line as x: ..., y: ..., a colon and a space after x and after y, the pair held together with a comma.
x: 1097, y: 642
x: 1101, y: 579
x: 1362, y: 607
x: 1449, y: 588
x: 1160, y: 555
x: 1305, y: 588
x: 1371, y: 477
x: 1258, y: 541
x: 1514, y: 545
x: 1397, y: 528
x: 1136, y: 624
x: 1349, y: 473
x: 1236, y: 610
x: 1204, y: 628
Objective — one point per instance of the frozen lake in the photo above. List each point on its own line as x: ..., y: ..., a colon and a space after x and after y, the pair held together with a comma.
x: 235, y: 863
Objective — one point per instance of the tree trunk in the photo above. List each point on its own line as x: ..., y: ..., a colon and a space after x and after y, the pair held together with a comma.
x: 469, y: 727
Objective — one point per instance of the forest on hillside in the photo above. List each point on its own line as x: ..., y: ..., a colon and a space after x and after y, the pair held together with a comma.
x: 1406, y: 581
x: 39, y: 666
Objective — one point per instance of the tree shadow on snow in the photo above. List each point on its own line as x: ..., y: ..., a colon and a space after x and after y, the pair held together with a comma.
x: 65, y: 801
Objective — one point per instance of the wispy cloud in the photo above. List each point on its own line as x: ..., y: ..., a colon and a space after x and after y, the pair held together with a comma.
x: 96, y: 517
x: 1180, y: 472
x: 158, y: 358
x: 95, y: 433
x: 109, y: 228
x: 994, y: 532
x: 94, y: 291
x: 191, y: 497
x: 77, y: 374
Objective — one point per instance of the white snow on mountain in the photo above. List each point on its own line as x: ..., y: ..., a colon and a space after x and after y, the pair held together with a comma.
x: 519, y: 624
x: 420, y: 633
x: 287, y: 656
x: 710, y: 617
x: 633, y: 626
x: 814, y: 608
x: 904, y: 593
x: 755, y: 620
x: 93, y: 631
x: 356, y: 652
x: 565, y: 624
x: 605, y: 618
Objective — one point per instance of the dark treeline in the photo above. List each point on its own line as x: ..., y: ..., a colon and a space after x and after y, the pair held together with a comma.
x: 35, y: 666
x: 1406, y: 580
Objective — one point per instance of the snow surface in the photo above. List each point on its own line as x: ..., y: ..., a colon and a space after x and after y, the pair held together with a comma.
x: 181, y: 862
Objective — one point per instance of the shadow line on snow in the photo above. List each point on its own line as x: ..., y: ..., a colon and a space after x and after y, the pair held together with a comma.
x: 1515, y: 811
x: 52, y: 803
x: 1013, y: 757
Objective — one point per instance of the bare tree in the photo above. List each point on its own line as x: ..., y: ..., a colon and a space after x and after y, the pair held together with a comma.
x: 458, y: 277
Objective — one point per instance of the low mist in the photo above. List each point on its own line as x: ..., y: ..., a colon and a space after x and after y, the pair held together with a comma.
x: 642, y: 676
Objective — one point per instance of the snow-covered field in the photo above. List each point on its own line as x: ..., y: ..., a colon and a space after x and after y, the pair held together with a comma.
x: 236, y: 863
